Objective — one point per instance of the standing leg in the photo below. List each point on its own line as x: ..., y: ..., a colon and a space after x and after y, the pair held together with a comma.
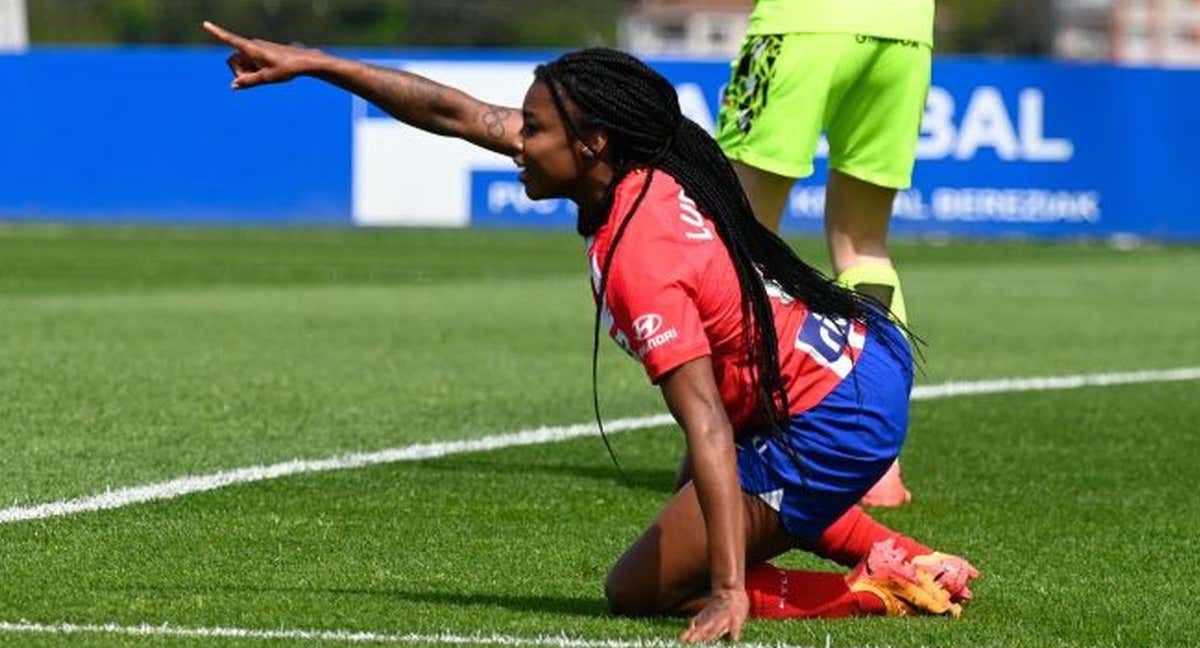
x: 857, y: 214
x: 767, y: 192
x: 856, y: 228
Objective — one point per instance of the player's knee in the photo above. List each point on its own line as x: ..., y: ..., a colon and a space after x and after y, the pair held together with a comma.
x: 625, y: 598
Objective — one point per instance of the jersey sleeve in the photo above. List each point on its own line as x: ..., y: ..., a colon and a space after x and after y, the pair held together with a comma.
x: 651, y: 295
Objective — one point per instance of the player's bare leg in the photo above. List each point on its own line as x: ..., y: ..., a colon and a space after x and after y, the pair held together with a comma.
x: 683, y: 473
x: 767, y: 192
x: 857, y: 214
x: 666, y: 570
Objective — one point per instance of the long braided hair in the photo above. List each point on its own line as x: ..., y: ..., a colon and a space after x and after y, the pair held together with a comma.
x: 639, y: 110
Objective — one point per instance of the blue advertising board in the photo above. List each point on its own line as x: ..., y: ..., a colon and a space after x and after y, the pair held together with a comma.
x: 1011, y: 148
x: 155, y: 135
x: 1007, y: 148
x: 498, y: 200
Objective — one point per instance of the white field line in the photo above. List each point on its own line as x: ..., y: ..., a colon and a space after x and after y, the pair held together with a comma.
x: 199, y: 483
x: 351, y: 637
x: 1009, y: 385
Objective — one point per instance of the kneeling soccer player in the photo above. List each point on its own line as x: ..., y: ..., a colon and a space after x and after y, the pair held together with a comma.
x: 792, y: 390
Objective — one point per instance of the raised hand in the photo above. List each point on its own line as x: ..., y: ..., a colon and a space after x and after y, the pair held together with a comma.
x: 257, y: 62
x: 410, y: 98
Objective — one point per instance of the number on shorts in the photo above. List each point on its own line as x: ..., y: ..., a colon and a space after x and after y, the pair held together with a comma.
x: 823, y: 338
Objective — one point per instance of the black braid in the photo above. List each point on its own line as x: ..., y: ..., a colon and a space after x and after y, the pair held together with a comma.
x: 639, y: 110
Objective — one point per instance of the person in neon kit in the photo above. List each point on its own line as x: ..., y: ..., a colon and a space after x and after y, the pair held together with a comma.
x: 792, y: 391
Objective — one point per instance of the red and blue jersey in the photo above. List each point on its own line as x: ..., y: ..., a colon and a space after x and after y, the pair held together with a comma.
x: 673, y: 296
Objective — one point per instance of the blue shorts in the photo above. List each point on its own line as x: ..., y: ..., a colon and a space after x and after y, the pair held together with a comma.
x: 830, y: 455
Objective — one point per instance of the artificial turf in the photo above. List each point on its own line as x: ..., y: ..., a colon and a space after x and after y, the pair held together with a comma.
x: 132, y: 355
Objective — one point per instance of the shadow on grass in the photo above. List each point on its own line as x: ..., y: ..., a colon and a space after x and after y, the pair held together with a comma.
x: 574, y: 606
x: 648, y: 480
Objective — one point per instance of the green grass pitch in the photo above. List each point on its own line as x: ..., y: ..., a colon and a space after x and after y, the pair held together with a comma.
x: 134, y: 355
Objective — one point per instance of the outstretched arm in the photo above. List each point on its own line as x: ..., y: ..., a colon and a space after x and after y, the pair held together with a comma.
x: 692, y: 395
x: 410, y: 98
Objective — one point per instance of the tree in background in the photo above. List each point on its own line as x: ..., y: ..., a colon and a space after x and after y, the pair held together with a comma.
x: 533, y: 23
x: 995, y: 26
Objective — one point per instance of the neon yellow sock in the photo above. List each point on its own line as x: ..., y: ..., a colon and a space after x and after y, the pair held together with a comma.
x: 879, y: 281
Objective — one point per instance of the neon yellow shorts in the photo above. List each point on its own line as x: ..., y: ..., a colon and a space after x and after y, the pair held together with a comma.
x: 867, y: 94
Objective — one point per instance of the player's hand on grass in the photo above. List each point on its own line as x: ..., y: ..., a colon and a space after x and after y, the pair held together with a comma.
x: 724, y: 615
x: 257, y: 62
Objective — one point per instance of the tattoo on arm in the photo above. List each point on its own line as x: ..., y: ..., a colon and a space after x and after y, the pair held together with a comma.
x: 493, y: 120
x: 436, y: 108
x: 405, y: 89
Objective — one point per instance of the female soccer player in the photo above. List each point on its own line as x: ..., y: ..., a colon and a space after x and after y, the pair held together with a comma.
x: 859, y: 71
x: 792, y: 391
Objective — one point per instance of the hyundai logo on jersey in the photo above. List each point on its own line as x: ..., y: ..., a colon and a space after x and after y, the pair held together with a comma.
x: 647, y: 325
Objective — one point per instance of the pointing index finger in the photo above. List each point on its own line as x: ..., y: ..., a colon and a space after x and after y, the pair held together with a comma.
x: 225, y: 35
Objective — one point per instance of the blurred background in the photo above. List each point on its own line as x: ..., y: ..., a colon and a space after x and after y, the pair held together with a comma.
x: 1046, y: 119
x: 1135, y: 31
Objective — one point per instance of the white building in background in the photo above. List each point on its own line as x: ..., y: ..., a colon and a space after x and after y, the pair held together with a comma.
x: 685, y: 27
x: 14, y: 29
x: 1154, y: 32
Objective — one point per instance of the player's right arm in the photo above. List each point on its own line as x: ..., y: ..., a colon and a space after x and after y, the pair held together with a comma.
x: 410, y: 98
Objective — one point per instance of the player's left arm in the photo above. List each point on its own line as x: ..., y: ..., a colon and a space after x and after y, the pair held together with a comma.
x: 691, y: 393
